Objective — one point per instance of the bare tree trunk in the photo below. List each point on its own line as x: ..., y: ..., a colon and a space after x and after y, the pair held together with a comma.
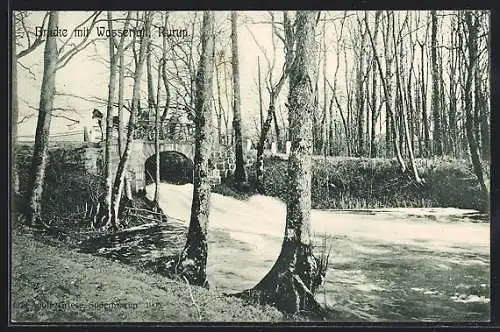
x: 360, y: 95
x: 373, y: 149
x: 334, y: 91
x: 240, y: 175
x: 121, y: 78
x: 425, y: 120
x: 228, y: 103
x: 436, y: 116
x: 15, y: 56
x: 276, y: 129
x: 164, y: 74
x: 452, y: 114
x: 387, y: 93
x: 157, y: 138
x: 162, y: 70
x: 121, y: 82
x: 273, y: 95
x: 261, y: 107
x: 149, y: 75
x: 105, y: 206
x: 104, y: 210
x: 261, y: 143
x: 471, y: 136
x: 331, y: 129
x: 418, y: 123
x: 409, y: 88
x: 114, y: 222
x: 443, y: 103
x: 326, y: 120
x: 221, y: 109
x: 404, y: 120
x: 389, y: 122
x: 40, y: 151
x: 153, y: 106
x: 481, y: 105
x: 193, y: 260
x: 292, y: 281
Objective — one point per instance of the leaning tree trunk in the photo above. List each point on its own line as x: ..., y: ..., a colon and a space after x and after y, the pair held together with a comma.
x: 192, y: 262
x: 240, y: 175
x: 260, y: 145
x: 162, y: 76
x: 292, y: 281
x: 40, y: 151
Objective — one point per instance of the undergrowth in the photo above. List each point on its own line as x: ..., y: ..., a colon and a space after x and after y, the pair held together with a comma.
x: 354, y: 183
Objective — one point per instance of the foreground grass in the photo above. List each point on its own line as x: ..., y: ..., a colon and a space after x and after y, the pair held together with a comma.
x: 51, y: 284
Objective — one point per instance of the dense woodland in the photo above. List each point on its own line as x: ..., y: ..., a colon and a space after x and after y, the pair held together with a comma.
x: 390, y: 84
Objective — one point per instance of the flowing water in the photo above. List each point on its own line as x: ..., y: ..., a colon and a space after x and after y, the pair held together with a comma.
x: 402, y: 264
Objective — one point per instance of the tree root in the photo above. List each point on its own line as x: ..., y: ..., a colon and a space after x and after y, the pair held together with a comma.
x: 288, y: 293
x: 181, y: 267
x: 317, y: 308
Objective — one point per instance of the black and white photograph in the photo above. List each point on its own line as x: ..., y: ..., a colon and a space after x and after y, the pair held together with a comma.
x: 250, y: 166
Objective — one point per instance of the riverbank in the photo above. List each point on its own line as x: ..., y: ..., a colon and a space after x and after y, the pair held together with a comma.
x: 364, y: 183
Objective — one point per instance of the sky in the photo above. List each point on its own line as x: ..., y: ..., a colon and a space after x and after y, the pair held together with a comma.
x: 87, y: 77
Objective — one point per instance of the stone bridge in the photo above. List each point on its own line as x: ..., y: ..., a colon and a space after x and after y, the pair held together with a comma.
x: 222, y: 160
x: 90, y: 155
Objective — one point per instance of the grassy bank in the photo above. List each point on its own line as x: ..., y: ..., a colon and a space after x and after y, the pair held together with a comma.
x: 53, y: 283
x: 352, y: 183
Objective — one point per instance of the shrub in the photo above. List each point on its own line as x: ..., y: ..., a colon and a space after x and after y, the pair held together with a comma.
x: 67, y: 186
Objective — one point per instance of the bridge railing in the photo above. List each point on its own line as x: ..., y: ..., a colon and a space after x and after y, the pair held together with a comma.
x: 170, y: 131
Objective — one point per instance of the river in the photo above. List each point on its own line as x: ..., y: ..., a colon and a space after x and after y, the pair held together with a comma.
x: 401, y: 264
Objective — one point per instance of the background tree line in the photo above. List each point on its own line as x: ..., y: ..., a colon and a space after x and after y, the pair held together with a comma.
x: 424, y: 58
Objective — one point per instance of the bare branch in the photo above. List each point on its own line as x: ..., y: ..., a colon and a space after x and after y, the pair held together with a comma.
x: 37, y: 42
x: 33, y: 76
x: 64, y: 59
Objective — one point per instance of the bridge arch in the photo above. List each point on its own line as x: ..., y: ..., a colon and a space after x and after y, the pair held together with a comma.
x: 142, y: 151
x: 175, y: 167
